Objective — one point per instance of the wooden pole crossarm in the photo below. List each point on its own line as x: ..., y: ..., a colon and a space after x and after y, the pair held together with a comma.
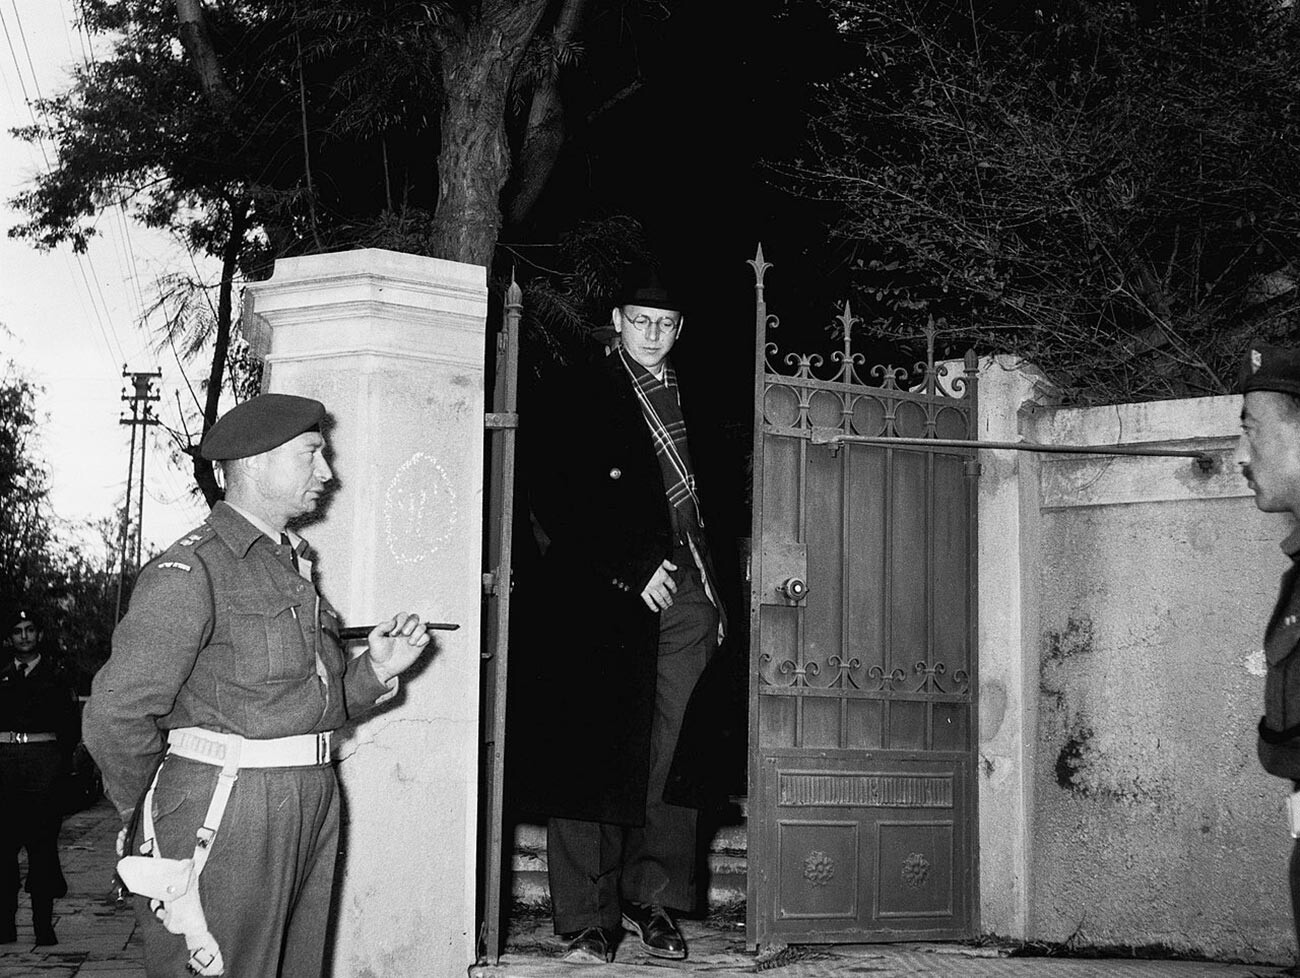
x: 1206, y: 461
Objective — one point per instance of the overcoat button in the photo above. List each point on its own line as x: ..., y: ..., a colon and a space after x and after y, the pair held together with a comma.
x: 615, y: 473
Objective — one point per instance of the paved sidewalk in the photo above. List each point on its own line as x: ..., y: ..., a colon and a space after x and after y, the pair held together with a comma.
x: 533, y: 953
x: 97, y: 940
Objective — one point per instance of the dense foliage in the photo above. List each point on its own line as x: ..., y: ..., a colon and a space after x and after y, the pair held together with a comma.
x: 1110, y: 190
x: 260, y: 129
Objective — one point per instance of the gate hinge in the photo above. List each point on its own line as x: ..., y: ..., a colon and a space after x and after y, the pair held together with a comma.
x: 495, y: 420
x: 492, y: 583
x: 973, y: 468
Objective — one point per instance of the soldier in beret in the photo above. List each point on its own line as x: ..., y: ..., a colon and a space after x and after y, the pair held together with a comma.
x: 630, y: 595
x: 1269, y: 455
x: 38, y: 731
x: 211, y: 720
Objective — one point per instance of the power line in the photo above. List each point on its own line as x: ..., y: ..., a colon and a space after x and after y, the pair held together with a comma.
x: 116, y: 343
x: 69, y: 18
x: 18, y: 71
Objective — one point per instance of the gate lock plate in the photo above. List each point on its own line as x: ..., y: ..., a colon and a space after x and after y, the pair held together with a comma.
x: 785, y: 572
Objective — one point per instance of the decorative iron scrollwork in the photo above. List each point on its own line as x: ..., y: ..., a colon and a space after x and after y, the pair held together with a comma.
x: 844, y: 677
x: 886, y: 681
x: 804, y: 362
x: 930, y: 683
x: 847, y: 362
x: 800, y: 672
x: 889, y: 376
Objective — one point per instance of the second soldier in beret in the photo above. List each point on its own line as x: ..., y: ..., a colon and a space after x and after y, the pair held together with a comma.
x: 1268, y: 453
x: 216, y: 707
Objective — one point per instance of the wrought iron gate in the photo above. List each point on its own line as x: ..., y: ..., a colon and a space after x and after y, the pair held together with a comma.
x: 862, y: 679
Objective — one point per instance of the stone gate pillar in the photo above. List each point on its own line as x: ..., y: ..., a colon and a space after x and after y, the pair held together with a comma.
x: 1008, y: 645
x: 393, y: 344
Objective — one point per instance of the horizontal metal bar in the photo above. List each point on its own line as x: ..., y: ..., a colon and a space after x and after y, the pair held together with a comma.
x: 1203, y: 459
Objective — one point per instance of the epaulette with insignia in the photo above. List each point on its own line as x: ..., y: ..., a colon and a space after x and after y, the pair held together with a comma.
x: 175, y: 564
x: 197, y: 535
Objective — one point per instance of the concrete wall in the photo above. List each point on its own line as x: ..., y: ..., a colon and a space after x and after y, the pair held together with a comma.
x: 1141, y: 588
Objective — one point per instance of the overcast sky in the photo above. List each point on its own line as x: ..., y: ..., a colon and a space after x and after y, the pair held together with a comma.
x: 75, y: 320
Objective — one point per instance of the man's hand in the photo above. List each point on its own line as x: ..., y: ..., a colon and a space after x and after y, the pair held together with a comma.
x: 394, y: 647
x: 658, y: 594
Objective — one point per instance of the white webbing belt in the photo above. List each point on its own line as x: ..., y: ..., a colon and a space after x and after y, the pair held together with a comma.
x: 210, y: 747
x: 216, y: 807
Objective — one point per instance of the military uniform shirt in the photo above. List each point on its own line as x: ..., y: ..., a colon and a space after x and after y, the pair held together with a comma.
x: 222, y: 633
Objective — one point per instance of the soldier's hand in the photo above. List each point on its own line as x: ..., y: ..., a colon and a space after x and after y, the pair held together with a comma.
x: 395, y: 644
x: 658, y: 593
x: 120, y: 845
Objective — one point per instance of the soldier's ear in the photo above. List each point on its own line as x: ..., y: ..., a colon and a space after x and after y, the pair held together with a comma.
x: 616, y: 319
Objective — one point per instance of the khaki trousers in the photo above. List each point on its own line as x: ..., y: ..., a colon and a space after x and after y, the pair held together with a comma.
x: 266, y: 887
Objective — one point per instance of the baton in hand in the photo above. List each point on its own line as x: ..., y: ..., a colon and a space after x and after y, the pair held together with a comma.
x: 357, y: 632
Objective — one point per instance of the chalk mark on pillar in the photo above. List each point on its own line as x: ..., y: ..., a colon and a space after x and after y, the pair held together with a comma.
x: 419, y: 510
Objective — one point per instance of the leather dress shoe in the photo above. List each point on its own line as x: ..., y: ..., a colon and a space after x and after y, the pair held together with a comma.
x: 659, y: 935
x: 588, y: 946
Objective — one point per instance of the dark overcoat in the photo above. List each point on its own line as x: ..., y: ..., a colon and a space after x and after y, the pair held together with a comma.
x: 583, y: 666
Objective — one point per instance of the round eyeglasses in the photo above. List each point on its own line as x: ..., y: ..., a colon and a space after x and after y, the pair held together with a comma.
x: 642, y: 323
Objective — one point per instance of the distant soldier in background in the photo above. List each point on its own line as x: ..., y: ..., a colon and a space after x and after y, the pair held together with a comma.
x: 38, y: 732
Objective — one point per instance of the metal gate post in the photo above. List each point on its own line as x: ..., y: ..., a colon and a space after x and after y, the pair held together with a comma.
x: 756, y: 869
x: 501, y: 424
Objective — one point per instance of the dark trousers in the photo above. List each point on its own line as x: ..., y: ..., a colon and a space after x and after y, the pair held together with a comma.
x: 266, y: 887
x: 592, y: 866
x: 29, y: 819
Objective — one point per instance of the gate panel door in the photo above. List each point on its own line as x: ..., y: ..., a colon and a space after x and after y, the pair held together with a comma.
x: 862, y: 679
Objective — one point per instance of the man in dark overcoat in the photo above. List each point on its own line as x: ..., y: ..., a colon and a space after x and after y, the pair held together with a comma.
x: 629, y: 617
x: 38, y: 732
x: 1268, y: 453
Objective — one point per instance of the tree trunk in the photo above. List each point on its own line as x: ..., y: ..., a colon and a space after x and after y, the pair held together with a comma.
x: 474, y: 162
x: 203, y: 474
x: 544, y: 135
x: 197, y: 41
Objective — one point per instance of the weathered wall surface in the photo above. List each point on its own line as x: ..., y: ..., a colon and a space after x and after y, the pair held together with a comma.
x: 1151, y: 820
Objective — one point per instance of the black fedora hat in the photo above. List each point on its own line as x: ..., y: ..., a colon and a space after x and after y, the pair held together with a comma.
x: 641, y: 285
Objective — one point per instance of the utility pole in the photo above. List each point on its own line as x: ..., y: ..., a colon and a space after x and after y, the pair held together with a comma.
x: 141, y: 398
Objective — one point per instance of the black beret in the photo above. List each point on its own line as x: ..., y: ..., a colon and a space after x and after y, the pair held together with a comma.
x: 640, y: 286
x: 1270, y: 368
x: 260, y: 424
x: 20, y: 615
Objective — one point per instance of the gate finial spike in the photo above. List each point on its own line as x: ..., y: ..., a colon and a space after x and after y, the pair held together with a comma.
x: 846, y: 320
x: 514, y: 294
x: 760, y: 266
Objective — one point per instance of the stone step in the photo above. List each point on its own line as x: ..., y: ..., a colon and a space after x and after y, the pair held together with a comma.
x: 727, y: 866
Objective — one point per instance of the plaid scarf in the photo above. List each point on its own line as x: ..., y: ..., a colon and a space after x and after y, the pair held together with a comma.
x: 661, y: 406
